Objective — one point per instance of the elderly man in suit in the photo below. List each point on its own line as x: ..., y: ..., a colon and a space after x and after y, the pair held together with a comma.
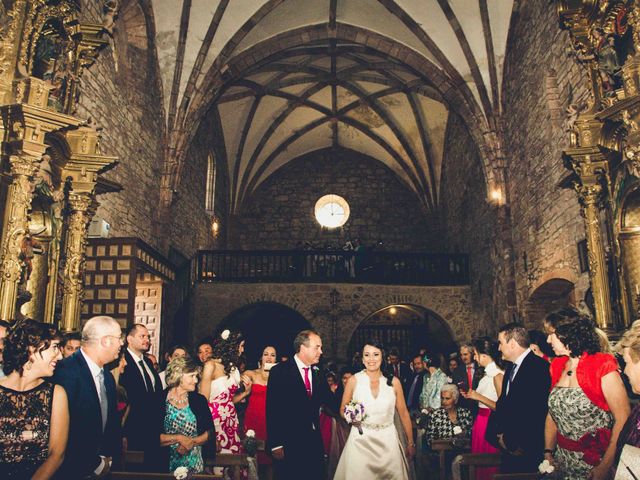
x: 143, y: 387
x: 467, y: 376
x: 94, y: 425
x: 296, y: 392
x: 521, y: 409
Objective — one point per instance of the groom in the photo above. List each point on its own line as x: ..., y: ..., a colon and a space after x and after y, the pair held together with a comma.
x: 294, y: 396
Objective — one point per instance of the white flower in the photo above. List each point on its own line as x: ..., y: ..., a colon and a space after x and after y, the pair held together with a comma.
x: 425, y: 411
x: 546, y: 467
x: 251, y: 433
x: 457, y: 430
x: 181, y: 473
x: 225, y: 334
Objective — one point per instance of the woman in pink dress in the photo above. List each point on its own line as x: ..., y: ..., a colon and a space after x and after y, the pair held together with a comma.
x: 220, y: 384
x: 255, y: 418
x: 486, y: 394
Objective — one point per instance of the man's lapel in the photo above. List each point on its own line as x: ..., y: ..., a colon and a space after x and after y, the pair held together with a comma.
x: 88, y: 380
x: 296, y: 377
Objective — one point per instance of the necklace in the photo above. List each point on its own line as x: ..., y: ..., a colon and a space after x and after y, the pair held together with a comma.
x: 179, y: 401
x: 571, y: 368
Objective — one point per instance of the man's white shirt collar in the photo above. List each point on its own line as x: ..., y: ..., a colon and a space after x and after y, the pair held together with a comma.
x: 93, y: 366
x: 521, y: 357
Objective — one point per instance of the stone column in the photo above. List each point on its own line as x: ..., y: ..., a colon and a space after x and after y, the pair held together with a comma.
x: 589, y: 196
x: 15, y: 228
x: 81, y: 211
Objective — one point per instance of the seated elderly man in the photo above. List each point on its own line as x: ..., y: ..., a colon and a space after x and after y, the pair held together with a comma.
x: 449, y: 420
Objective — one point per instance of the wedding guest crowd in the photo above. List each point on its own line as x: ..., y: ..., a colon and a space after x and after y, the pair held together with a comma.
x: 71, y: 404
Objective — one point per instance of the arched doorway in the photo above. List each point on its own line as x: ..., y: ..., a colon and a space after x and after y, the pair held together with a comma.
x: 405, y: 327
x: 630, y: 248
x: 265, y: 323
x: 551, y: 295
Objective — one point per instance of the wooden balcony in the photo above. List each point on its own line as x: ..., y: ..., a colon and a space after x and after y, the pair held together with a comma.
x: 332, y: 266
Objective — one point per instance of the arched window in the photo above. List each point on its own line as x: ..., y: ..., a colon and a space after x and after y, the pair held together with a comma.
x: 210, y: 195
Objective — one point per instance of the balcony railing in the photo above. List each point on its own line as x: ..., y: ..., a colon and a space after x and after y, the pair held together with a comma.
x: 292, y: 266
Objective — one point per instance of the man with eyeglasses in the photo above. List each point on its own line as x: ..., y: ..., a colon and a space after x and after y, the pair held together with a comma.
x: 94, y: 426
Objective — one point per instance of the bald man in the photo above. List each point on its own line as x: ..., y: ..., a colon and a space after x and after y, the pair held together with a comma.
x: 94, y: 427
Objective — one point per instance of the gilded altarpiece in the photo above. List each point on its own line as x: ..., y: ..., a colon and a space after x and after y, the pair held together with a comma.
x: 51, y: 160
x: 604, y: 153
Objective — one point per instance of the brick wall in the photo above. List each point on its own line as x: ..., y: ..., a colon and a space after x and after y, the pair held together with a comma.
x: 546, y: 222
x: 467, y: 221
x: 120, y: 93
x: 280, y: 215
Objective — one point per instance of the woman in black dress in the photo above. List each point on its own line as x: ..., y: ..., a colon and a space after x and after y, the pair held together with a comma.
x: 34, y: 416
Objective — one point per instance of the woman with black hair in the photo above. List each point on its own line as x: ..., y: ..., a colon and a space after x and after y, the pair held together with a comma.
x: 486, y: 394
x: 34, y: 414
x: 588, y: 404
x: 374, y: 449
x: 220, y: 385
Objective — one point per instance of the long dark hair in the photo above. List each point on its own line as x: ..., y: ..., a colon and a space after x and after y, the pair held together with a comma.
x: 575, y: 330
x: 386, y: 373
x: 488, y: 346
x: 227, y: 350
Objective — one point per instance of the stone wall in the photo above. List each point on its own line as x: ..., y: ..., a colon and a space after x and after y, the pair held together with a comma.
x: 280, y: 214
x: 191, y: 227
x: 121, y: 94
x: 212, y: 303
x: 540, y: 78
x: 468, y: 222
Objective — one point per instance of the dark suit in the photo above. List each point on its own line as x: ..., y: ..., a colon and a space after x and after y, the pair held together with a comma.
x: 520, y: 414
x: 414, y: 389
x: 459, y: 378
x: 293, y: 421
x: 87, y: 441
x: 141, y: 416
x: 403, y: 374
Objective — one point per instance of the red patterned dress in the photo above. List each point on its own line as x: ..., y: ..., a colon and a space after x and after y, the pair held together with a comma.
x: 223, y: 412
x: 255, y: 418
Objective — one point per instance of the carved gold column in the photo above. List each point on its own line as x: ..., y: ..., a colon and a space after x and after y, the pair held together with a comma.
x: 15, y: 228
x: 590, y: 165
x: 82, y: 170
x: 79, y: 218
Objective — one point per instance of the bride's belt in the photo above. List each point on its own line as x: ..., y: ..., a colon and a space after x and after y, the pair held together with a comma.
x: 376, y: 426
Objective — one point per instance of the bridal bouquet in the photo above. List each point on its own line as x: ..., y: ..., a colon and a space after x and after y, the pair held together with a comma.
x: 354, y: 413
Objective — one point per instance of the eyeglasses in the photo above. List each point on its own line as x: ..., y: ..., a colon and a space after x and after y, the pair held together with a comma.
x: 119, y: 337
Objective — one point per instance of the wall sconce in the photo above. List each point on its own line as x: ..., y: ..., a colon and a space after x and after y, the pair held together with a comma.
x: 215, y: 226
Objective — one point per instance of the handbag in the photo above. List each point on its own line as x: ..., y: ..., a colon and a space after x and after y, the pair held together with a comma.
x: 629, y: 464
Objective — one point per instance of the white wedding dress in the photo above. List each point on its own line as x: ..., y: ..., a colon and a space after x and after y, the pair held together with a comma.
x: 376, y: 454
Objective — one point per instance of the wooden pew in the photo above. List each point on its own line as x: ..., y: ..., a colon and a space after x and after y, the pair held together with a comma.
x: 516, y: 476
x: 235, y: 462
x: 472, y: 461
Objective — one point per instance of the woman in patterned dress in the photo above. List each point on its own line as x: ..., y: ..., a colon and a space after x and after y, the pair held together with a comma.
x: 220, y: 384
x: 184, y: 419
x: 34, y: 414
x: 588, y: 404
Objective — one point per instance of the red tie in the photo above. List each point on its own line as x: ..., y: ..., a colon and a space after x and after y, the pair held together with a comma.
x: 470, y: 377
x: 307, y: 383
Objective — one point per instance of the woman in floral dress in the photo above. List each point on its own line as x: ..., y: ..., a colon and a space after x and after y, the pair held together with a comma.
x: 220, y: 384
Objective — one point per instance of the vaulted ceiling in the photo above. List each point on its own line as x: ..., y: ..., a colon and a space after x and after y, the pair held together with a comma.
x: 376, y: 76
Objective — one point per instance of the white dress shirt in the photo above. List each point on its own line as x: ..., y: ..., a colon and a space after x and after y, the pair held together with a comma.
x: 301, y: 367
x: 137, y: 359
x: 516, y: 367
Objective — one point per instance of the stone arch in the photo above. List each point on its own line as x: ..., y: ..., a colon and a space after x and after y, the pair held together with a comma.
x: 407, y: 327
x: 265, y: 323
x: 629, y: 227
x: 551, y: 294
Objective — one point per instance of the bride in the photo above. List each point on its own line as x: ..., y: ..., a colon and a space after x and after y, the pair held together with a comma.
x: 376, y: 453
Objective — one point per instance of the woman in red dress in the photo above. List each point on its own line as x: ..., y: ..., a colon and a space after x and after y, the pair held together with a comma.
x: 255, y: 416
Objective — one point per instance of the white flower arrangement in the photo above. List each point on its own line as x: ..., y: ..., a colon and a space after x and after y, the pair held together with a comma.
x: 181, y: 473
x: 225, y: 334
x: 250, y: 433
x: 457, y: 430
x: 546, y: 467
x: 425, y: 411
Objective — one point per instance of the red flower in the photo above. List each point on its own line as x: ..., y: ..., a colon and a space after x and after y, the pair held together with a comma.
x: 593, y: 445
